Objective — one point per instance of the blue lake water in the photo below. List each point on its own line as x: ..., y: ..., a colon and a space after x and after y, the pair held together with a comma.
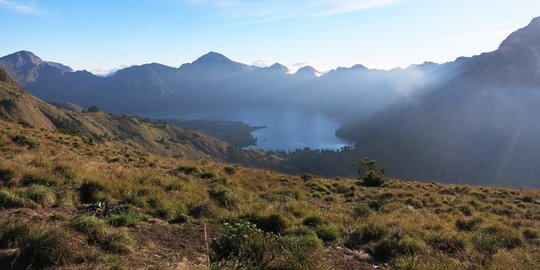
x: 285, y: 129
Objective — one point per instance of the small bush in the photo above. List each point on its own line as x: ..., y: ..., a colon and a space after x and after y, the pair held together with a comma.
x: 507, y: 238
x: 207, y: 175
x: 328, y: 234
x: 234, y: 236
x: 361, y: 210
x: 25, y: 141
x: 38, y: 179
x: 243, y: 244
x: 9, y: 199
x: 41, y: 195
x: 368, y: 233
x: 313, y: 221
x: 468, y: 224
x: 530, y: 234
x: 446, y: 243
x: 307, y: 176
x: 395, y: 245
x: 229, y: 170
x: 93, y: 192
x: 125, y: 220
x: 188, y: 170
x: 274, y: 223
x: 486, y: 243
x: 222, y: 196
x: 201, y: 210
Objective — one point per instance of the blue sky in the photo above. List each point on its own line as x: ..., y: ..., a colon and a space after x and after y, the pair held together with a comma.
x: 104, y: 34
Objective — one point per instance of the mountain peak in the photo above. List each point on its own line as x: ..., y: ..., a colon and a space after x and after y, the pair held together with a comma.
x: 212, y: 57
x: 23, y: 58
x: 307, y: 71
x: 526, y: 37
x: 278, y: 67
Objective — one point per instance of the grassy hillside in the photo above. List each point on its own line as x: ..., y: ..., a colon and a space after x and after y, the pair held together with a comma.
x: 70, y: 203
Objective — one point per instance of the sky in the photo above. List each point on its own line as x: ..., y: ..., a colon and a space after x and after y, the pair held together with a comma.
x: 101, y: 35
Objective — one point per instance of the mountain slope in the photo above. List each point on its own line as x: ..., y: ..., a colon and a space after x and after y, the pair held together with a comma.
x: 481, y: 126
x: 18, y: 106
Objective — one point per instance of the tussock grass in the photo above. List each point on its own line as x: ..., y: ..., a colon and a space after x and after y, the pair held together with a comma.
x: 407, y: 224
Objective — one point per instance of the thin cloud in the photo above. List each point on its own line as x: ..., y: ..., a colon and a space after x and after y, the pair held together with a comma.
x: 271, y: 10
x: 20, y: 7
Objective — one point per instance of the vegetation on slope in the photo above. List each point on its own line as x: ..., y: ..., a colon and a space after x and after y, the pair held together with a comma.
x: 113, y: 206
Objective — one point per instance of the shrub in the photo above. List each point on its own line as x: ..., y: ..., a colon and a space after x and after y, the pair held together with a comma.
x: 468, y: 225
x: 313, y: 221
x: 486, y: 243
x: 411, y: 246
x: 274, y: 223
x: 507, y: 238
x: 361, y: 210
x: 244, y: 244
x: 201, y: 210
x: 530, y: 234
x: 527, y: 199
x: 25, y: 141
x: 93, y: 192
x: 125, y: 220
x: 207, y: 175
x: 328, y: 234
x: 233, y: 238
x: 371, y: 173
x: 188, y: 170
x: 9, y: 199
x: 38, y: 179
x: 446, y: 243
x: 229, y: 170
x: 222, y: 196
x: 307, y: 176
x: 397, y: 244
x: 368, y: 233
x: 41, y: 195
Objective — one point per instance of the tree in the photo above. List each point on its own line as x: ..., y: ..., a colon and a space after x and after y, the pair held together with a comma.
x: 92, y: 109
x: 371, y: 172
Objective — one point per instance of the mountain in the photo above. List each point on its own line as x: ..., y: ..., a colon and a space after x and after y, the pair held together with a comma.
x: 25, y: 67
x: 479, y: 125
x: 212, y: 82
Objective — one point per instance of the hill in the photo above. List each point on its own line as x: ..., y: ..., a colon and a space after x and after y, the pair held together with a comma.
x: 65, y: 203
x: 18, y: 106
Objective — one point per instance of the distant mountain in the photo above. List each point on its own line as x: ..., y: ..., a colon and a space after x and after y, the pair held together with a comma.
x: 480, y: 124
x: 213, y: 82
x: 25, y: 67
